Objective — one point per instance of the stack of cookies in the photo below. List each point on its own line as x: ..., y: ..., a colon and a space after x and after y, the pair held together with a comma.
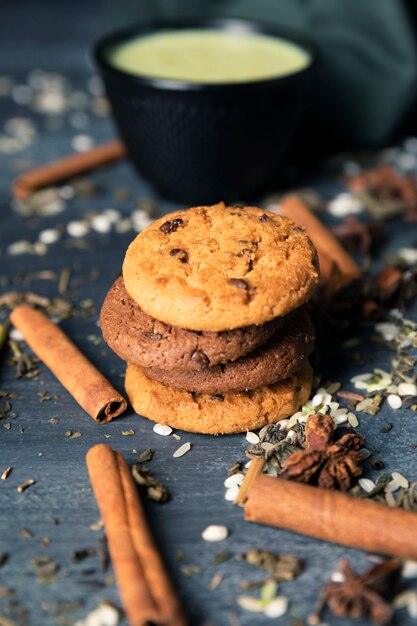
x: 208, y: 315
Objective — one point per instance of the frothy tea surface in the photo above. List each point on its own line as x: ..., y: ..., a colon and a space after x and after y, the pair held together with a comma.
x: 209, y: 56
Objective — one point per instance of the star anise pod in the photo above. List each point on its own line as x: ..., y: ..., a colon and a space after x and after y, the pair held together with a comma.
x: 327, y: 462
x: 362, y: 596
x: 385, y: 183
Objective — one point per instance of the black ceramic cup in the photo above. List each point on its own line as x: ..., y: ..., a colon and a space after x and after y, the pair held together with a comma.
x: 204, y: 142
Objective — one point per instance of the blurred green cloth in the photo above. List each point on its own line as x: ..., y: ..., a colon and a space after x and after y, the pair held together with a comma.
x: 366, y: 83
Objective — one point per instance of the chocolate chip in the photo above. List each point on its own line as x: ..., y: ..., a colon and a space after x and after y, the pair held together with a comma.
x: 171, y: 226
x: 200, y: 358
x: 179, y: 254
x: 263, y: 218
x: 250, y: 255
x: 217, y: 397
x: 245, y: 252
x: 155, y: 336
x: 239, y: 283
x: 246, y: 242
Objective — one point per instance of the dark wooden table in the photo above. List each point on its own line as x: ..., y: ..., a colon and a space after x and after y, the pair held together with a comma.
x: 59, y: 509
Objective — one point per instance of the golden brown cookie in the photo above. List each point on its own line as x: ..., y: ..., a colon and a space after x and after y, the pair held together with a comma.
x: 276, y: 360
x: 217, y: 268
x: 140, y: 339
x: 220, y: 413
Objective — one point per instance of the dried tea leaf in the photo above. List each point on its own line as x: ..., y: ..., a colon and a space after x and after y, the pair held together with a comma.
x: 145, y: 456
x: 221, y: 557
x: 281, y: 566
x: 153, y: 487
x: 46, y: 569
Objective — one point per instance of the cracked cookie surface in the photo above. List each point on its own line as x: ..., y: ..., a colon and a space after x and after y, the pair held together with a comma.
x: 142, y: 340
x: 220, y: 413
x: 278, y: 359
x: 219, y: 268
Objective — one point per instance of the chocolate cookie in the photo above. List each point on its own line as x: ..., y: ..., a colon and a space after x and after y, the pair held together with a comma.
x: 278, y: 359
x: 220, y: 413
x: 218, y: 268
x: 140, y: 339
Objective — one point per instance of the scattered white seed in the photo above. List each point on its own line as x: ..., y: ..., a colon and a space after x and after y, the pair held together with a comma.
x: 344, y: 204
x: 392, y: 389
x: 366, y: 484
x: 379, y: 386
x: 271, y: 471
x: 392, y: 486
x: 231, y: 493
x: 101, y: 224
x: 269, y: 591
x: 104, y: 615
x: 409, y: 569
x: 215, y: 532
x: 263, y: 431
x: 294, y: 419
x: 341, y: 418
x: 141, y: 220
x: 321, y: 399
x: 267, y: 445
x: 333, y: 388
x: 112, y: 214
x: 406, y: 162
x: 388, y: 330
x: 250, y: 604
x: 67, y: 192
x: 123, y: 226
x: 409, y: 255
x: 410, y: 144
x: 412, y: 606
x: 353, y: 420
x: 22, y: 94
x: 277, y: 607
x: 291, y: 436
x: 401, y: 480
x: 162, y: 429
x: 390, y: 500
x: 364, y: 404
x: 407, y: 599
x: 49, y: 235
x: 234, y: 479
x: 16, y: 335
x: 361, y: 378
x: 39, y: 248
x: 186, y: 447
x: 394, y: 401
x: 252, y: 437
x: 338, y: 577
x: 407, y: 389
x: 19, y: 247
x: 78, y: 228
x: 82, y: 143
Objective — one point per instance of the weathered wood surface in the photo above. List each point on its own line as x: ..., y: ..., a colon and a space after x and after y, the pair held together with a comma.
x: 33, y: 36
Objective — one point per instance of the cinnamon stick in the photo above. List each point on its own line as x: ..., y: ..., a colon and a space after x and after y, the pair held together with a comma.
x: 254, y: 470
x: 84, y: 382
x: 145, y: 589
x: 67, y: 167
x: 328, y: 248
x: 332, y: 516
